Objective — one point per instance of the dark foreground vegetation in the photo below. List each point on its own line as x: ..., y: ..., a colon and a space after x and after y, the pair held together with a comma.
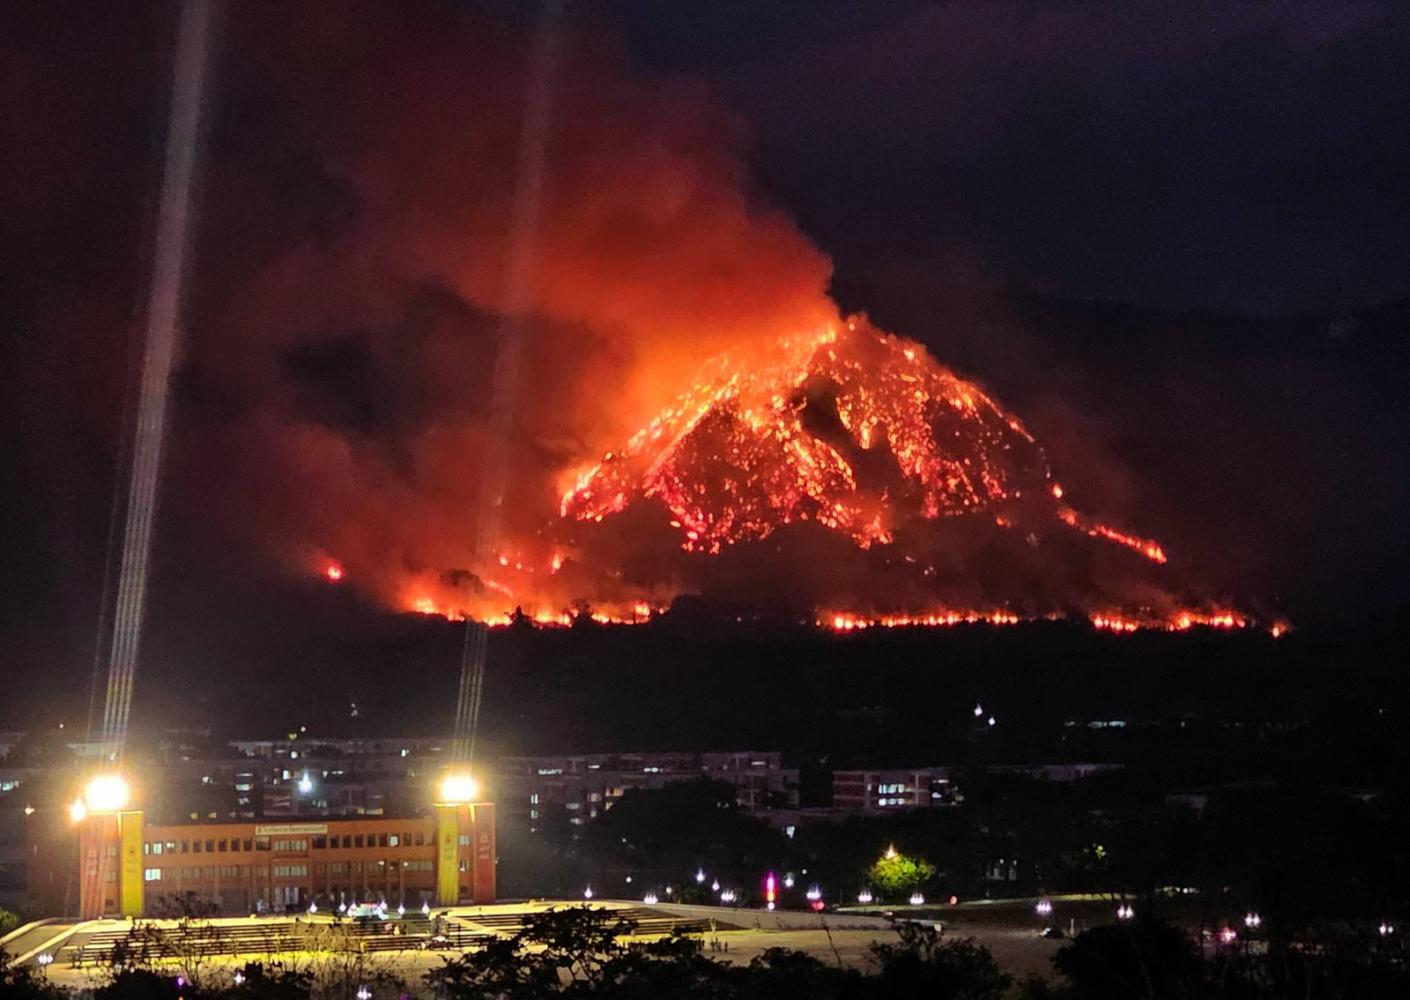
x: 579, y: 952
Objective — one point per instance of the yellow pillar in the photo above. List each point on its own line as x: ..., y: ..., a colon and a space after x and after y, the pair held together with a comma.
x: 130, y: 885
x: 447, y: 854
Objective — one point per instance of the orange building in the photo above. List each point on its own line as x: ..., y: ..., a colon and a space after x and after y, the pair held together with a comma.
x: 127, y: 868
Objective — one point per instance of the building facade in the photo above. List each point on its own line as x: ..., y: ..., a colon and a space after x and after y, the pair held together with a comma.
x: 113, y: 864
x: 872, y: 792
x: 586, y: 785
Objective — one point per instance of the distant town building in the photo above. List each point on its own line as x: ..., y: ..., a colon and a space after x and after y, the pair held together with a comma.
x: 586, y: 785
x: 893, y: 789
x: 1054, y: 772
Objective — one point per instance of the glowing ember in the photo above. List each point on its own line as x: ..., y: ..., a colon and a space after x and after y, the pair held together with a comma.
x: 333, y: 572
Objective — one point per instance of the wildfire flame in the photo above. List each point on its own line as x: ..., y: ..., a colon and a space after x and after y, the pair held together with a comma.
x: 750, y: 448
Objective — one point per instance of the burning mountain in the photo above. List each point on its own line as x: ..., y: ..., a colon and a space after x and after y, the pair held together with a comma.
x: 861, y: 455
x: 863, y: 434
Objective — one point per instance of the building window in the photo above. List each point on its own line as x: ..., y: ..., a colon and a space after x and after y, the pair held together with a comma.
x: 220, y: 845
x: 195, y: 847
x: 248, y: 844
x: 420, y: 840
x: 464, y: 840
x: 291, y: 845
x: 319, y: 843
x: 210, y: 846
x: 382, y: 840
x: 152, y: 875
x: 290, y: 871
x: 393, y: 841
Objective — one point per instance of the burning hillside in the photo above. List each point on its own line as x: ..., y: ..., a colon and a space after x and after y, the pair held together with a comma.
x: 858, y: 432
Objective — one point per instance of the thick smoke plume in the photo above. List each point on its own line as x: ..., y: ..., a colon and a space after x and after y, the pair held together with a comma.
x: 354, y: 298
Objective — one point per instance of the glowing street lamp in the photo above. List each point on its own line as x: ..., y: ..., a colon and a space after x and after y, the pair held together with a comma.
x: 864, y: 897
x: 917, y: 899
x: 1125, y: 912
x: 305, y: 784
x: 363, y: 993
x: 45, y: 960
x: 699, y: 876
x: 1386, y: 929
x: 459, y: 789
x: 78, y: 812
x: 587, y: 893
x: 1044, y: 908
x: 425, y: 909
x: 1252, y: 920
x: 239, y: 978
x: 814, y: 893
x: 650, y: 899
x: 312, y: 908
x: 106, y: 793
x: 788, y: 880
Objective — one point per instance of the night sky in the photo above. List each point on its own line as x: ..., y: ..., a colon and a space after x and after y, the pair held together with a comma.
x: 1173, y: 236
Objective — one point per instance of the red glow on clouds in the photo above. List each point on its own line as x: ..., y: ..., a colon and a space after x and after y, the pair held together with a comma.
x: 633, y: 469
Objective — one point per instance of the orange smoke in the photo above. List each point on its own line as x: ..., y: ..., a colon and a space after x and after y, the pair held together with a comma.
x: 350, y: 372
